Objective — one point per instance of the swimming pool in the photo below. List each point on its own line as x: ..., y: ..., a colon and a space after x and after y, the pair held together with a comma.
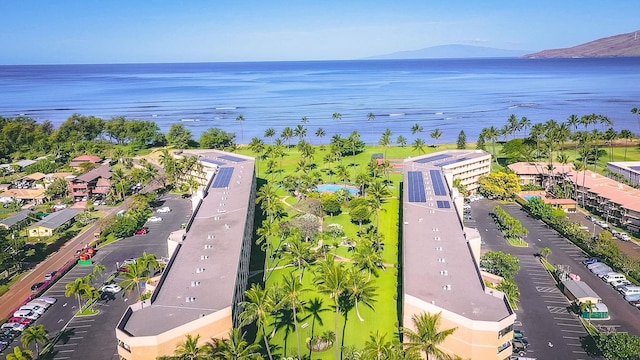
x: 529, y: 197
x: 335, y: 187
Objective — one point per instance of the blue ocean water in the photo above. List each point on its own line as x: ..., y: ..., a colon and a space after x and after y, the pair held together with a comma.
x: 449, y: 94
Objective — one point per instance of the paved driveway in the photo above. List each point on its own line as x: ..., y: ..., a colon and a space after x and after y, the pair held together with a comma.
x: 543, y: 312
x: 94, y: 337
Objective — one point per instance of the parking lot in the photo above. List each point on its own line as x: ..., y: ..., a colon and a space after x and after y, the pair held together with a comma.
x: 553, y: 331
x: 93, y: 337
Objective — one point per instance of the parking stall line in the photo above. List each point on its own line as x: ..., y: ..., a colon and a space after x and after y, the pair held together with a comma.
x: 81, y: 332
x: 574, y: 331
x: 76, y: 338
x: 84, y: 320
x: 571, y: 337
x: 578, y: 345
x: 562, y: 318
x: 79, y: 326
x: 67, y: 344
x: 578, y: 352
x: 573, y: 325
x: 66, y: 351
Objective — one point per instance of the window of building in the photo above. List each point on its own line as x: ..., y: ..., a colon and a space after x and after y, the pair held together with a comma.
x: 505, y: 331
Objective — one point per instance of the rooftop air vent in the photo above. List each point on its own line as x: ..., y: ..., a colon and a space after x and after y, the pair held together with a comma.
x: 444, y: 272
x: 195, y: 283
x: 199, y: 270
x: 441, y: 260
x: 208, y: 246
x: 190, y: 299
x: 204, y: 257
x: 438, y: 248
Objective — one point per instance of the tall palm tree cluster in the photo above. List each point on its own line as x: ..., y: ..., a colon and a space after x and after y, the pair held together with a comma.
x: 550, y: 140
x: 186, y: 173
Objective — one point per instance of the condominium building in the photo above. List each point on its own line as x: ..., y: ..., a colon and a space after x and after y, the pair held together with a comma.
x: 616, y: 202
x: 206, y: 277
x: 629, y: 170
x: 466, y: 165
x: 440, y: 258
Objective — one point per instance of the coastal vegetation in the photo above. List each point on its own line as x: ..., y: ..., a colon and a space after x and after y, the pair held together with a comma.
x: 332, y: 261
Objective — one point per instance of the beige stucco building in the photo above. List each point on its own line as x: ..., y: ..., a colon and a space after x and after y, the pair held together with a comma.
x: 206, y: 276
x: 440, y: 260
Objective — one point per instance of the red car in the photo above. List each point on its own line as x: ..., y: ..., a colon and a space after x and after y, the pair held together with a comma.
x: 142, y: 231
x: 19, y: 320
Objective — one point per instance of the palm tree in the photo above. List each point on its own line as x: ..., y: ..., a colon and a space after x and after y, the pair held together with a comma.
x: 510, y: 289
x: 240, y: 119
x: 385, y: 140
x: 320, y: 133
x: 292, y: 290
x: 300, y: 131
x: 492, y: 134
x: 376, y: 348
x: 270, y: 132
x: 587, y: 306
x: 78, y: 288
x: 371, y: 116
x: 416, y: 129
x: 336, y: 116
x: 545, y: 252
x: 19, y: 354
x: 436, y: 134
x: 258, y: 308
x: 427, y: 337
x: 367, y: 258
x: 402, y: 141
x: 636, y: 111
x: 149, y: 261
x: 236, y: 347
x: 287, y: 134
x: 524, y: 124
x: 626, y: 135
x: 419, y: 145
x: 314, y: 308
x: 331, y: 279
x: 189, y: 349
x: 37, y: 334
x: 361, y: 290
x: 137, y: 273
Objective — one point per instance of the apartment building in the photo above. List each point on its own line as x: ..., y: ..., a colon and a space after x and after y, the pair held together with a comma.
x: 207, y: 273
x: 466, y: 165
x: 616, y: 202
x: 629, y: 170
x: 440, y: 258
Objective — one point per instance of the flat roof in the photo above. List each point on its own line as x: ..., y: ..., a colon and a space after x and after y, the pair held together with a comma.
x: 580, y: 289
x: 439, y: 267
x: 202, y: 277
x: 631, y: 166
x: 448, y: 158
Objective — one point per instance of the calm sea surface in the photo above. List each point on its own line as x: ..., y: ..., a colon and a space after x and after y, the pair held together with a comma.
x: 450, y: 95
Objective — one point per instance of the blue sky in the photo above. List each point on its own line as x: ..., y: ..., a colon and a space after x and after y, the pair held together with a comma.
x: 115, y: 31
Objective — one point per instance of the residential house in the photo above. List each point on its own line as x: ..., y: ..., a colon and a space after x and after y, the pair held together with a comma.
x: 56, y: 221
x: 94, y: 183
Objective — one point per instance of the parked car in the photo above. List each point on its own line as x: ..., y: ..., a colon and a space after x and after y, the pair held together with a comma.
x: 601, y: 270
x: 613, y: 276
x: 155, y: 219
x: 635, y: 303
x: 164, y: 210
x: 518, y: 334
x: 14, y: 326
x: 35, y: 287
x: 603, y: 224
x: 111, y: 288
x: 48, y: 299
x: 622, y: 282
x: 19, y: 320
x: 519, y: 347
x: 142, y: 231
x: 38, y: 302
x: 591, y: 260
x: 48, y: 276
x: 33, y: 307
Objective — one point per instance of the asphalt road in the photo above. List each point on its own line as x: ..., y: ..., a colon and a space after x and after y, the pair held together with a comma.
x: 93, y: 337
x: 543, y: 312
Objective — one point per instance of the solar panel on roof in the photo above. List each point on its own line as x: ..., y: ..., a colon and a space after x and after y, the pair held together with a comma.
x: 433, y: 158
x: 232, y: 158
x: 223, y: 177
x: 416, y: 187
x: 452, y: 161
x: 211, y: 161
x: 442, y: 204
x: 438, y: 183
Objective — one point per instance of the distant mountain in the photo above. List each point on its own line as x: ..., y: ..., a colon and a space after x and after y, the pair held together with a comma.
x: 623, y: 45
x: 452, y: 51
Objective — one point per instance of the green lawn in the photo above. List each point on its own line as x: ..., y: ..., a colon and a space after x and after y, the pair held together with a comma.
x: 384, y: 316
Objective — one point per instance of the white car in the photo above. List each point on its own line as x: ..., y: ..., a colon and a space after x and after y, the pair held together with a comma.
x: 164, y: 210
x: 111, y: 288
x: 155, y: 219
x: 14, y: 326
x: 48, y: 299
